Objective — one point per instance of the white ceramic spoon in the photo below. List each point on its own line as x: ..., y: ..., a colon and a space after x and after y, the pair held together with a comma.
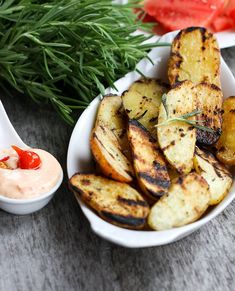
x: 8, y: 137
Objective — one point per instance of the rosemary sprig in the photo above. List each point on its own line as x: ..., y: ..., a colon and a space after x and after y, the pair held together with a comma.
x: 65, y: 52
x: 184, y: 118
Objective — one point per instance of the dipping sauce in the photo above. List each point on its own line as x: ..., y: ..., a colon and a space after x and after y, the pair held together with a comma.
x: 27, y: 183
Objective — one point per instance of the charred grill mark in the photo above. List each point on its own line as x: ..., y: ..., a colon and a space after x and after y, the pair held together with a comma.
x: 213, y: 86
x: 203, y: 34
x: 123, y: 220
x: 153, y: 119
x: 132, y: 202
x: 192, y: 28
x: 141, y: 115
x: 123, y: 133
x: 124, y: 93
x: 110, y: 95
x: 177, y: 37
x: 177, y: 84
x: 128, y: 111
x: 218, y: 172
x: 208, y: 138
x: 135, y: 123
x: 85, y: 182
x: 163, y: 183
x: 158, y: 166
x: 177, y: 64
x: 129, y: 172
x: 103, y: 146
x: 169, y: 145
x: 232, y: 110
x: 180, y: 181
x: 156, y: 194
x: 120, y: 110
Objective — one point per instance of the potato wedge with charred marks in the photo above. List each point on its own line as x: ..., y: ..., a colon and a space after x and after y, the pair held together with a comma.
x: 210, y: 99
x: 177, y: 139
x: 3, y: 165
x: 187, y: 199
x: 215, y: 173
x: 195, y: 56
x: 142, y: 102
x: 108, y: 154
x: 149, y: 162
x: 226, y: 143
x: 116, y: 202
x: 111, y: 114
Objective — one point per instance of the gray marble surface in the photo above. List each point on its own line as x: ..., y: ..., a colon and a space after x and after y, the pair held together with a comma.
x: 54, y: 249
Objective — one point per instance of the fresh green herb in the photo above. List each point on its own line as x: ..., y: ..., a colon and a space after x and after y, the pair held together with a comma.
x: 184, y: 118
x: 66, y: 52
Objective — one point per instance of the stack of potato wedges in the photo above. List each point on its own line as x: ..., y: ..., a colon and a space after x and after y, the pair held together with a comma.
x: 155, y: 170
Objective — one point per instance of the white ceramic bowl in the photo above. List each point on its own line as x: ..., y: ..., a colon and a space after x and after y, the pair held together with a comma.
x: 9, y: 136
x: 27, y: 206
x: 79, y: 157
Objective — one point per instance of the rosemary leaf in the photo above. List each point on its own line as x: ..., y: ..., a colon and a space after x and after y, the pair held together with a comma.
x: 184, y: 118
x: 65, y: 52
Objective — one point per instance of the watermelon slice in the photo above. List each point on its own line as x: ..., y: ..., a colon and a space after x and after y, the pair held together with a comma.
x: 227, y: 19
x: 178, y: 14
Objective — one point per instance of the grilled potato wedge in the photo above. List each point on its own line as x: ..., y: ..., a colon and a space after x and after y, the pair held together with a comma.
x: 226, y: 143
x: 210, y: 99
x: 142, y: 102
x: 177, y: 139
x: 216, y: 174
x: 116, y: 202
x: 111, y: 114
x: 195, y: 56
x: 187, y: 199
x: 108, y: 154
x: 149, y: 163
x: 3, y: 165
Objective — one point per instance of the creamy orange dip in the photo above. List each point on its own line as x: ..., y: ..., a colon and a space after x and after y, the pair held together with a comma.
x: 24, y: 184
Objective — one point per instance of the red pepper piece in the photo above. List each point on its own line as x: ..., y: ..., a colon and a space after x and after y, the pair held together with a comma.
x: 28, y: 160
x: 5, y: 159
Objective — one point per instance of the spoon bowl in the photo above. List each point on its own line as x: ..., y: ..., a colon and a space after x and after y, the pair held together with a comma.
x: 8, y: 137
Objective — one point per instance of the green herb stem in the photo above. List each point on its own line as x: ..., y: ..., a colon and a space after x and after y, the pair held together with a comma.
x: 66, y: 52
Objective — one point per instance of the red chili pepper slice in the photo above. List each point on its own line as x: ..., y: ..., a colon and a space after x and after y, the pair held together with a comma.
x: 28, y: 160
x: 5, y: 159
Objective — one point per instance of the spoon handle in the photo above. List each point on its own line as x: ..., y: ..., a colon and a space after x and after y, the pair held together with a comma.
x: 8, y: 135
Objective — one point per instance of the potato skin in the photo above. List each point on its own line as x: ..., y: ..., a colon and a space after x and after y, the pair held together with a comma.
x: 215, y: 173
x: 149, y: 162
x: 209, y: 98
x: 187, y: 199
x: 226, y: 144
x: 111, y: 114
x: 177, y: 139
x: 195, y: 56
x: 142, y: 100
x: 108, y: 140
x: 108, y: 154
x: 117, y: 203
